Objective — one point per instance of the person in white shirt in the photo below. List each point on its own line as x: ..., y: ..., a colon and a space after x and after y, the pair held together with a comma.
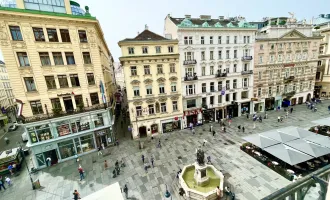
x: 8, y: 181
x: 48, y: 161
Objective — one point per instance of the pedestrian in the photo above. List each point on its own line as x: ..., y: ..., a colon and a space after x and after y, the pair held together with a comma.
x: 227, y: 117
x: 287, y: 114
x: 213, y: 133
x: 243, y: 129
x: 81, y: 172
x: 229, y: 122
x: 204, y: 142
x: 218, y: 191
x: 99, y: 151
x: 10, y: 168
x: 1, y: 184
x: 291, y: 109
x: 126, y: 191
x: 224, y: 129
x: 278, y: 119
x: 247, y: 115
x: 159, y: 144
x: 239, y: 127
x: 48, y: 161
x: 117, y: 142
x: 8, y: 181
x: 142, y: 158
x: 152, y: 161
x: 211, y: 128
x: 105, y: 164
x: 193, y: 131
x: 76, y: 195
x: 146, y: 167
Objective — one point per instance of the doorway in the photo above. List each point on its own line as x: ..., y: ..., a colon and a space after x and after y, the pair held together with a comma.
x: 68, y: 104
x: 101, y: 140
x: 308, y: 97
x: 143, y: 131
x: 53, y: 156
x: 293, y: 101
x: 300, y: 100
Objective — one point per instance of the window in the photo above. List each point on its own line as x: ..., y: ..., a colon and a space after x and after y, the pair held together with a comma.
x: 87, y: 58
x: 163, y: 107
x: 294, y: 87
x: 246, y: 52
x: 94, y: 98
x: 246, y: 67
x: 191, y: 103
x: 151, y: 109
x: 227, y: 40
x: 288, y: 57
x: 133, y: 71
x: 203, y: 71
x: 219, y: 85
x: 261, y: 47
x: 190, y: 89
x: 235, y: 67
x: 227, y: 97
x: 29, y: 83
x: 173, y: 87
x: 270, y: 75
x: 235, y: 53
x: 172, y: 68
x: 259, y: 92
x: 189, y: 55
x: 245, y: 95
x: 211, y: 70
x: 74, y: 80
x: 211, y: 100
x: 203, y: 87
x: 145, y: 50
x: 56, y: 104
x: 211, y: 55
x: 248, y: 39
x: 211, y: 39
x: 50, y: 82
x: 63, y: 81
x: 44, y: 58
x: 138, y: 110
x: 278, y: 89
x: 130, y: 50
x: 287, y: 73
x: 227, y: 84
x: 65, y: 35
x: 219, y: 39
x: 301, y: 86
x: 310, y: 85
x: 149, y: 90
x: 269, y: 90
x: 219, y: 98
x: 158, y: 49
x: 271, y: 58
x: 245, y: 82
x: 272, y: 46
x: 58, y: 59
x: 38, y: 34
x: 36, y: 107
x: 219, y: 54
x: 235, y: 39
x: 227, y: 69
x: 161, y: 89
x: 79, y: 101
x: 159, y: 69
x: 90, y: 79
x: 23, y: 59
x: 185, y: 40
x: 15, y: 32
x: 170, y: 49
x: 146, y: 69
x: 235, y: 83
x: 136, y: 91
x: 212, y: 87
x: 202, y: 39
x: 82, y: 36
x: 70, y: 58
x: 52, y: 35
x: 203, y: 55
x: 227, y: 54
x: 279, y: 58
x: 175, y: 105
x: 244, y: 39
x: 260, y: 59
x: 190, y: 40
x: 234, y: 96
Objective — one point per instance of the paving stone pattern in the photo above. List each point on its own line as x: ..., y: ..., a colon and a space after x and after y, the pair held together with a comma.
x: 248, y: 178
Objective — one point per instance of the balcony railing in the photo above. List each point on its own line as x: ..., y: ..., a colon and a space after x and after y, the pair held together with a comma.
x: 289, y: 94
x: 60, y: 113
x: 190, y: 77
x: 247, y: 58
x: 247, y: 72
x: 217, y: 75
x: 288, y: 79
x: 189, y: 62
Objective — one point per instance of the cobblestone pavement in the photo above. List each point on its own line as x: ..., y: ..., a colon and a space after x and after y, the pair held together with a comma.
x: 251, y: 179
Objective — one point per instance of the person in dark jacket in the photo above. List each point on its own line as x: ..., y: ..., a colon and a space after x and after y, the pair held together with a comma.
x: 76, y: 195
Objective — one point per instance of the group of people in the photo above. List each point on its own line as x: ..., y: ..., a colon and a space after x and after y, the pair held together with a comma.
x: 146, y: 164
x: 2, y: 182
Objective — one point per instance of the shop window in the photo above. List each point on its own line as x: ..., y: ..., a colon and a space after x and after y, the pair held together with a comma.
x: 39, y: 34
x: 66, y: 149
x: 52, y: 35
x: 98, y: 120
x: 154, y: 128
x: 40, y: 133
x: 82, y: 36
x: 81, y: 124
x: 87, y: 143
x: 63, y: 128
x: 94, y: 98
x: 65, y: 35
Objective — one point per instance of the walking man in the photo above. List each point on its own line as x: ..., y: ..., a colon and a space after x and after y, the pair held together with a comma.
x: 204, y: 142
x: 76, y: 195
x: 159, y: 145
x: 81, y: 173
x: 8, y: 181
x: 291, y: 109
x: 211, y: 128
x: 278, y: 119
x: 239, y: 127
x: 48, y: 161
x: 99, y: 151
x: 213, y: 133
x: 152, y: 161
x: 243, y: 129
x: 1, y: 184
x: 105, y: 164
x: 126, y: 191
x: 142, y: 158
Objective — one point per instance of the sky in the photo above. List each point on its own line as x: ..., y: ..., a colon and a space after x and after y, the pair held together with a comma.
x: 125, y: 18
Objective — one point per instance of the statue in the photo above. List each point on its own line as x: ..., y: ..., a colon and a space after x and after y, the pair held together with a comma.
x: 291, y: 14
x: 200, y: 157
x: 292, y: 19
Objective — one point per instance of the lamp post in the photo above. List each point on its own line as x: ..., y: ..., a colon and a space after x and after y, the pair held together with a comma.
x: 27, y: 167
x: 167, y: 193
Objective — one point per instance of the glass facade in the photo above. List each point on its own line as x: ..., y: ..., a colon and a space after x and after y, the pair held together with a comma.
x: 76, y: 10
x: 40, y: 133
x: 77, y: 145
x: 46, y: 5
x: 66, y: 149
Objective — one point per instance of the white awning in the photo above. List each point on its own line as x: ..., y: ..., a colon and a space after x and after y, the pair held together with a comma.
x: 111, y: 192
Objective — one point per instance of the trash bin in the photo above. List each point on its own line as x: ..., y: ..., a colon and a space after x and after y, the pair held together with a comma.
x: 36, y: 184
x: 26, y: 152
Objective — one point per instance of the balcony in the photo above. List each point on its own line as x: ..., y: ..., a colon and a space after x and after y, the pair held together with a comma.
x: 247, y: 58
x: 288, y: 79
x: 189, y: 62
x: 247, y: 72
x: 218, y: 74
x: 190, y: 78
x: 289, y: 94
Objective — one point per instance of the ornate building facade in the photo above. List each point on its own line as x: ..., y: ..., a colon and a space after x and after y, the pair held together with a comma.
x: 153, y: 86
x: 286, y: 55
x: 216, y: 62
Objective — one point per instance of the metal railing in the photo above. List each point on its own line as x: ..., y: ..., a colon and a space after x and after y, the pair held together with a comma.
x: 244, y: 58
x: 247, y: 72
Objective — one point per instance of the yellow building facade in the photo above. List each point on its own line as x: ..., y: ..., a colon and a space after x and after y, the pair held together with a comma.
x: 153, y: 83
x: 56, y: 57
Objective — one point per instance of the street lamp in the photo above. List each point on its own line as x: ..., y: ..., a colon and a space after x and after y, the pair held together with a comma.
x: 167, y: 193
x: 27, y: 167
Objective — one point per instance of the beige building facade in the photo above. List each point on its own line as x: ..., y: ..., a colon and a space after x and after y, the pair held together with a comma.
x: 6, y: 92
x: 286, y: 55
x: 153, y: 84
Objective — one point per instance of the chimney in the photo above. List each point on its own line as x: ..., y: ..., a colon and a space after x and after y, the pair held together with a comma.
x: 146, y: 27
x: 221, y: 18
x: 187, y: 16
x: 168, y: 15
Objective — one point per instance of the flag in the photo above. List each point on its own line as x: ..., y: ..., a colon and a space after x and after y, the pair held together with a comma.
x: 223, y: 91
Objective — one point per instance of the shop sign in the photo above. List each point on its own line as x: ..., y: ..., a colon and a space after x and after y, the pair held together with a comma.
x: 254, y: 99
x: 289, y: 65
x: 192, y: 112
x: 101, y: 133
x: 64, y: 94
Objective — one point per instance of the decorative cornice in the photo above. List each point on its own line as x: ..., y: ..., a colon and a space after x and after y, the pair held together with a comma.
x: 173, y: 78
x: 161, y: 80
x: 135, y: 82
x: 162, y: 99
x: 148, y: 101
x: 175, y: 97
x: 137, y: 103
x: 148, y: 81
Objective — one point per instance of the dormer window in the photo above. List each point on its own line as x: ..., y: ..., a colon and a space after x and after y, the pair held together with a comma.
x: 145, y: 50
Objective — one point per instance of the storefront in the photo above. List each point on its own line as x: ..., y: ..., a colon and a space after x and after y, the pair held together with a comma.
x: 270, y: 103
x: 104, y: 136
x: 193, y: 117
x: 208, y: 115
x: 245, y: 108
x: 278, y: 101
x: 220, y: 113
x: 232, y: 110
x: 171, y: 125
x: 154, y: 128
x: 293, y: 101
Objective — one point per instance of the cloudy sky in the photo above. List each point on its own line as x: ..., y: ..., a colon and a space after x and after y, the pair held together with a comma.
x: 124, y: 18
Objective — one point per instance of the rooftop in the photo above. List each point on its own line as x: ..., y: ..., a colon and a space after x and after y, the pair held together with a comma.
x: 146, y: 35
x: 322, y: 19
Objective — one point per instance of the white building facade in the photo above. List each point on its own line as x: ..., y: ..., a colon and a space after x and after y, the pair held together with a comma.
x: 216, y: 61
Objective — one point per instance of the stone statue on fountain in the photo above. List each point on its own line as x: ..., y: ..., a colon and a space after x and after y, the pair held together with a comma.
x: 200, y: 157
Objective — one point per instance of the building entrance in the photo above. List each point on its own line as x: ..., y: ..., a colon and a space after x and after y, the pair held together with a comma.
x: 143, y: 131
x: 52, y: 154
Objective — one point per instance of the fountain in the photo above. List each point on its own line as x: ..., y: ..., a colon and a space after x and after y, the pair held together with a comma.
x: 199, y: 180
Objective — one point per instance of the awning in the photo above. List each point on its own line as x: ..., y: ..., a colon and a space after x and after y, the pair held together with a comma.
x: 325, y: 121
x: 295, y: 131
x: 288, y: 154
x: 110, y: 192
x: 308, y: 147
x: 279, y: 136
x: 260, y: 141
x: 319, y: 139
